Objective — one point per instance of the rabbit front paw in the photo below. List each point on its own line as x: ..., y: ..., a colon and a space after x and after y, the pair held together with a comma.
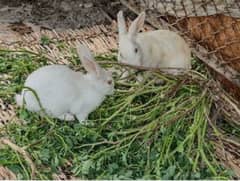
x: 82, y: 118
x: 67, y: 117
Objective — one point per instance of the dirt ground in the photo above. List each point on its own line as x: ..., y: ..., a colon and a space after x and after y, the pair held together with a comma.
x: 58, y: 14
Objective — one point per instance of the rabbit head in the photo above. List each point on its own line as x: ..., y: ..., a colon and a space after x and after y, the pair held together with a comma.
x: 98, y: 77
x: 129, y: 50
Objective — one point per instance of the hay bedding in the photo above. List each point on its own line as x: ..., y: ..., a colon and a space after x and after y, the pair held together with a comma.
x: 6, y: 174
x: 102, y: 39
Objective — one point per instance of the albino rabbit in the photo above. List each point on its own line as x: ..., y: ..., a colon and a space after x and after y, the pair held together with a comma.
x: 64, y: 93
x: 159, y: 49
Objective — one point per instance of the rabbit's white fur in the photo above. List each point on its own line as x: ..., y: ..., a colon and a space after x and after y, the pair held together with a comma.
x: 64, y: 93
x: 160, y: 48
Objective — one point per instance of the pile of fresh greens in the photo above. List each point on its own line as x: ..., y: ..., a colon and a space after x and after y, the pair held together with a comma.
x: 144, y: 131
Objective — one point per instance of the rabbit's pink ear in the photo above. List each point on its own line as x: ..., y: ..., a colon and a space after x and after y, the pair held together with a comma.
x: 91, y: 66
x: 83, y: 51
x: 137, y: 24
x: 121, y: 23
x: 87, y: 59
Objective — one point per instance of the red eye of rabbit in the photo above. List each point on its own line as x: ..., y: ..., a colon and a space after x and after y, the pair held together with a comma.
x: 109, y: 82
x: 136, y: 50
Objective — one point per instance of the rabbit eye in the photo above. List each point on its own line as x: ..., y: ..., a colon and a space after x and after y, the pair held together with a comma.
x: 136, y: 50
x: 109, y: 82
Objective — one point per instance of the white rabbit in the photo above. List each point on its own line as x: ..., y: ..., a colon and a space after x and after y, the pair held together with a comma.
x: 159, y: 49
x: 64, y: 93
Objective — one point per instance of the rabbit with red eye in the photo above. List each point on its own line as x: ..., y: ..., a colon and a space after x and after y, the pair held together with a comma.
x: 64, y: 93
x: 156, y: 49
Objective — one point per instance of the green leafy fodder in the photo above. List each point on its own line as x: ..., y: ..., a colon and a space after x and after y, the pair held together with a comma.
x: 145, y: 130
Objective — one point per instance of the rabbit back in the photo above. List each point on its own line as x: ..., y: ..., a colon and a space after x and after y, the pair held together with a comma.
x: 163, y: 48
x: 56, y: 87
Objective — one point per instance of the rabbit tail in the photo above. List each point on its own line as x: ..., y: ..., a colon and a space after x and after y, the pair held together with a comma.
x: 19, y: 99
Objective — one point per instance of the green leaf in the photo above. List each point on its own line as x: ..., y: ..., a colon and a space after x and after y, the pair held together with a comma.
x: 86, y: 165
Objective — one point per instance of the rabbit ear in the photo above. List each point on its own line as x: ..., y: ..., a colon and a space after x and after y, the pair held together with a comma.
x: 121, y: 23
x: 137, y: 24
x: 87, y: 60
x: 84, y: 51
